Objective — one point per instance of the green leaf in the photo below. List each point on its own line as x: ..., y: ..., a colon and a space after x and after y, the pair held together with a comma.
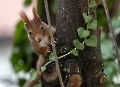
x: 43, y: 68
x: 27, y: 2
x: 87, y: 18
x: 38, y: 85
x: 32, y: 74
x: 92, y: 42
x: 92, y: 3
x: 75, y: 52
x: 92, y: 25
x: 78, y: 44
x: 80, y: 29
x: 86, y: 33
x: 83, y: 33
x: 52, y: 57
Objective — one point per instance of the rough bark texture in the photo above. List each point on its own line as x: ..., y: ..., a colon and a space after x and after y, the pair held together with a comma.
x: 86, y: 70
x: 69, y: 18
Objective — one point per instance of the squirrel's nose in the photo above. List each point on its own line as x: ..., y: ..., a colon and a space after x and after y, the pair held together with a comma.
x: 37, y: 39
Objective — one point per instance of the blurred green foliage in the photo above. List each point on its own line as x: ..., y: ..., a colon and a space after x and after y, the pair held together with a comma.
x: 108, y: 53
x: 27, y: 2
x: 23, y: 57
x: 116, y: 21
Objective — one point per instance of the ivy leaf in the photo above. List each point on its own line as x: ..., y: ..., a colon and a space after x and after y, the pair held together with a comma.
x: 92, y: 25
x: 80, y: 29
x: 83, y: 33
x: 78, y: 44
x: 52, y: 57
x: 92, y: 3
x: 87, y: 18
x: 38, y: 85
x: 92, y: 42
x: 75, y: 52
x: 32, y: 74
x: 43, y: 68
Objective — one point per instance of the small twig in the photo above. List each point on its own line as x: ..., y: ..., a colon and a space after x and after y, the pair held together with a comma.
x: 112, y: 32
x: 53, y: 45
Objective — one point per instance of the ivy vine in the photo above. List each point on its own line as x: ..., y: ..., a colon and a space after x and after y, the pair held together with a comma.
x: 85, y: 33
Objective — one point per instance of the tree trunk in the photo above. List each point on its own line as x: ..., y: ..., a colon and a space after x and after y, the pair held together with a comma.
x: 86, y: 70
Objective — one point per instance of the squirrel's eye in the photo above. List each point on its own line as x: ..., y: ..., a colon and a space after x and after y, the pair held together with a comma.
x: 42, y: 28
x: 30, y: 32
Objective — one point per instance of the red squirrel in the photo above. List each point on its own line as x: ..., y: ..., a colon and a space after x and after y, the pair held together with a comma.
x: 38, y: 34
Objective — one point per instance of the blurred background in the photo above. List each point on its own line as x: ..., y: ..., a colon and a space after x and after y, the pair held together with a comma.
x: 17, y: 56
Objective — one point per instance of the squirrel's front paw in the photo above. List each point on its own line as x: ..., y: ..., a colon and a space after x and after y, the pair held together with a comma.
x: 55, y: 41
x: 49, y: 50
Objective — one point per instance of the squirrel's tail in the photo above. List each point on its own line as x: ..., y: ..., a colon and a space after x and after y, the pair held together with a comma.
x: 40, y: 62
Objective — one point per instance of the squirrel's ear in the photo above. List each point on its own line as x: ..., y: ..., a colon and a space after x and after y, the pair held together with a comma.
x: 36, y: 16
x: 24, y: 17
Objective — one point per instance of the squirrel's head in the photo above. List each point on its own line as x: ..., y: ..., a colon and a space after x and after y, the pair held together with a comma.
x: 35, y: 28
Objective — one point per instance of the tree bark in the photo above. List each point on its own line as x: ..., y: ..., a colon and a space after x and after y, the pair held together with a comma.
x: 86, y: 70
